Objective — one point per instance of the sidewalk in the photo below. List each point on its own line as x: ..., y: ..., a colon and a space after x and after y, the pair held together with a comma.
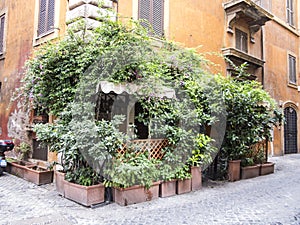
x: 272, y: 199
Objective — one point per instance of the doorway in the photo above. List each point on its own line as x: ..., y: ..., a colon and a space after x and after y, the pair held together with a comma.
x: 290, y: 131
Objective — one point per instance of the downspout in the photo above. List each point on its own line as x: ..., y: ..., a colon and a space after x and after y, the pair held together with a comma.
x: 262, y: 56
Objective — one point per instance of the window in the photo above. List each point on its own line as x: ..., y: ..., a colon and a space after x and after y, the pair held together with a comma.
x: 153, y: 12
x: 290, y: 12
x: 2, y: 23
x: 292, y: 69
x: 46, y: 17
x: 241, y: 40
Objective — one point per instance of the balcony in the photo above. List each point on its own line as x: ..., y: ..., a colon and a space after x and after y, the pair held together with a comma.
x: 246, y: 10
x: 238, y: 57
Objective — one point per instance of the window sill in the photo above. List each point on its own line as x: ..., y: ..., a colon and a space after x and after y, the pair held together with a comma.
x: 45, y: 37
x: 2, y: 56
x: 292, y: 85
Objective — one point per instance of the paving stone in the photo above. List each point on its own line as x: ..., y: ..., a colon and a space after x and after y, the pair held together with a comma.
x: 271, y: 199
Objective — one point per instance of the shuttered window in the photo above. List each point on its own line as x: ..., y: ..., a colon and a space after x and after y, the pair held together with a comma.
x: 152, y: 11
x: 292, y: 69
x: 2, y: 23
x: 290, y: 12
x: 241, y: 40
x: 46, y: 16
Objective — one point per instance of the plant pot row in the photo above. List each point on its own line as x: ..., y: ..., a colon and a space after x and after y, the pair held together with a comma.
x: 30, y: 172
x: 91, y: 195
x: 236, y: 172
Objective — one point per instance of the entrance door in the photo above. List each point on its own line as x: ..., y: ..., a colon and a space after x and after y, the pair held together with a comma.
x: 290, y: 130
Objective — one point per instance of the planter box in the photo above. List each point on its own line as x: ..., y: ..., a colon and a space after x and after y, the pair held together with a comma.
x: 59, y: 183
x: 84, y: 195
x: 38, y: 175
x: 18, y: 168
x: 196, y: 178
x: 266, y: 168
x: 184, y: 186
x: 250, y: 171
x: 135, y: 194
x: 167, y: 188
x: 234, y: 167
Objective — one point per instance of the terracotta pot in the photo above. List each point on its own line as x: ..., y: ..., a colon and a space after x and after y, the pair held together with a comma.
x: 38, y: 175
x: 167, y: 188
x: 184, y: 186
x: 135, y: 194
x: 59, y: 183
x: 234, y: 167
x: 19, y: 168
x: 84, y: 195
x: 196, y: 178
x: 250, y: 171
x: 266, y: 168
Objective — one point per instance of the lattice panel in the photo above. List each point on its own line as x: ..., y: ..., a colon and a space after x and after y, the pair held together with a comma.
x: 153, y: 146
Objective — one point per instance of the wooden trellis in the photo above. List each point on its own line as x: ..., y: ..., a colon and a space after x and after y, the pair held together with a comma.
x: 153, y: 146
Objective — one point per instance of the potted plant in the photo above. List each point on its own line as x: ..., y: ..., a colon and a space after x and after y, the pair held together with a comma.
x: 134, y: 178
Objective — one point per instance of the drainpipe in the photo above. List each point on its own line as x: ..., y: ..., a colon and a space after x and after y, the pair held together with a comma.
x: 262, y: 56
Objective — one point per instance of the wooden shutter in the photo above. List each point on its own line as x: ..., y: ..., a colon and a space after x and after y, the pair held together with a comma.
x: 158, y: 17
x: 290, y: 12
x: 2, y: 22
x: 46, y: 16
x: 153, y: 12
x: 50, y: 14
x: 292, y: 69
x: 145, y: 12
x: 241, y: 40
x: 42, y: 17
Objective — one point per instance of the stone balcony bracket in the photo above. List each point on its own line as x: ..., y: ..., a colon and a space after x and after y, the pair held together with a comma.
x: 254, y: 15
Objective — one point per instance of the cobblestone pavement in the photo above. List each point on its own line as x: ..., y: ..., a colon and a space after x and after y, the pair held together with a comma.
x: 273, y: 199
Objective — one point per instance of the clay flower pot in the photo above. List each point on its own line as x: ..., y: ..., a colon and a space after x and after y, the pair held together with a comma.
x: 38, y: 175
x: 167, y: 188
x: 19, y: 168
x: 184, y: 186
x: 196, y: 178
x: 84, y: 195
x: 59, y: 182
x: 250, y: 171
x: 135, y: 194
x: 234, y: 167
x: 266, y: 168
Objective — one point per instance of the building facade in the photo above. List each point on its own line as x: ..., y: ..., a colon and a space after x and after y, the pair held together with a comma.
x: 263, y: 33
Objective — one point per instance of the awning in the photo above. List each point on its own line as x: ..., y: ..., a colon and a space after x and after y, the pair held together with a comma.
x: 130, y: 88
